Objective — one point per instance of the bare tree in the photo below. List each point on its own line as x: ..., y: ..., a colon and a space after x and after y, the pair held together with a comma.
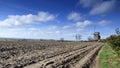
x: 78, y: 37
x: 117, y: 31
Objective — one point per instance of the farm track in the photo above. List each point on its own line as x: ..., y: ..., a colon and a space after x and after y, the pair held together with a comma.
x: 36, y: 54
x: 88, y: 60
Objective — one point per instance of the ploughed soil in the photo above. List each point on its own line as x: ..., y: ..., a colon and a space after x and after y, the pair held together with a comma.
x: 48, y: 54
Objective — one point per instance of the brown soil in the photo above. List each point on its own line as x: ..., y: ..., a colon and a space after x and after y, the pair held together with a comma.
x: 36, y: 54
x: 96, y: 62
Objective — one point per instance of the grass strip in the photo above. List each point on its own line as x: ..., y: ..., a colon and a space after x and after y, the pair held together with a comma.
x: 109, y: 58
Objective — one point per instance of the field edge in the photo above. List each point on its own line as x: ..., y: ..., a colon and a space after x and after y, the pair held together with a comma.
x: 108, y: 58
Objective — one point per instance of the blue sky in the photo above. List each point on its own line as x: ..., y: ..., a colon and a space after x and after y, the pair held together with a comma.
x: 55, y: 19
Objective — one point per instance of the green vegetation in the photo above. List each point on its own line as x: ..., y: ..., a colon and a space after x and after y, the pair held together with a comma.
x: 109, y: 58
x: 114, y: 42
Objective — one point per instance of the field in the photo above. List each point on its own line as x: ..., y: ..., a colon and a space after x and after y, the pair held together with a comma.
x: 46, y: 54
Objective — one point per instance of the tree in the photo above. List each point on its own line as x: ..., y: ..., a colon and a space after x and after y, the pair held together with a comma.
x: 78, y: 37
x: 117, y: 31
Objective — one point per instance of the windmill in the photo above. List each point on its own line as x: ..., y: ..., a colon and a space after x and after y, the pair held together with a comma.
x: 93, y: 30
x: 96, y: 35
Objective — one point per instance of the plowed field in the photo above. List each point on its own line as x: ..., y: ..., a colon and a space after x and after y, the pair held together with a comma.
x: 36, y: 54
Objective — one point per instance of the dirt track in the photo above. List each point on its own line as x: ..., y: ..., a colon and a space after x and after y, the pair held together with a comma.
x: 48, y: 54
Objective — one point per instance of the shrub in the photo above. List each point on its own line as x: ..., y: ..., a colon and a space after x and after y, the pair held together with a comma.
x: 114, y: 42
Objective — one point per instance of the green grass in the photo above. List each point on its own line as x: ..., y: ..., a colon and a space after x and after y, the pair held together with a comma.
x: 108, y: 58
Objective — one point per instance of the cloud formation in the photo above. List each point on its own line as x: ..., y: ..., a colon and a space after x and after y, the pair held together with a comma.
x: 104, y: 7
x: 74, y: 16
x: 99, y: 6
x: 104, y: 23
x: 83, y: 24
x: 20, y: 20
x: 67, y: 26
x: 52, y: 27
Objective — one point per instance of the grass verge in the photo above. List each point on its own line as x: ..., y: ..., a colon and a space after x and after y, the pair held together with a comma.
x: 108, y: 58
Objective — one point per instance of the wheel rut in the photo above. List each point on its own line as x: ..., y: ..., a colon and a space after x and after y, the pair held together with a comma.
x: 79, y: 58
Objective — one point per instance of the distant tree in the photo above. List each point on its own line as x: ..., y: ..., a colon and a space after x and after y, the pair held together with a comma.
x: 78, y: 37
x: 117, y: 31
x: 90, y: 38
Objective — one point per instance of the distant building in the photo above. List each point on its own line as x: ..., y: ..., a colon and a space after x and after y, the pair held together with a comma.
x: 97, y: 36
x: 62, y: 39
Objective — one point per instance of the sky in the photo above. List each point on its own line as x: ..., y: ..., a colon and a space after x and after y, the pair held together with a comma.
x: 55, y: 19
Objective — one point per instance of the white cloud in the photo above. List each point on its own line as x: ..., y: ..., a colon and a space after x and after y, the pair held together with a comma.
x: 80, y: 29
x: 83, y: 24
x: 99, y: 6
x: 33, y: 29
x: 20, y: 20
x: 104, y: 7
x: 74, y: 16
x: 33, y: 33
x: 58, y: 32
x: 67, y: 26
x: 78, y: 26
x: 104, y: 23
x: 52, y: 27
